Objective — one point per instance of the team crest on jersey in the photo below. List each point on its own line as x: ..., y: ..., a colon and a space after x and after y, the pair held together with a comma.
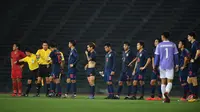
x: 140, y: 55
x: 127, y: 55
x: 109, y: 55
x: 71, y: 53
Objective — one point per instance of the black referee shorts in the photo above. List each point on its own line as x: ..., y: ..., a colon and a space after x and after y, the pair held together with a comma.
x: 44, y: 71
x: 33, y: 74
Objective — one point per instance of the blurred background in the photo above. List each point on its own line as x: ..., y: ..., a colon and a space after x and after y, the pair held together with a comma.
x: 29, y: 22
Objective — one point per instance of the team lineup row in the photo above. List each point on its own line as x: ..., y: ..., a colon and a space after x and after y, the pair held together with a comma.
x: 165, y: 61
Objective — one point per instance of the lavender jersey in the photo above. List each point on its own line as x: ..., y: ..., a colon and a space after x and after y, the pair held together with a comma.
x: 166, y: 51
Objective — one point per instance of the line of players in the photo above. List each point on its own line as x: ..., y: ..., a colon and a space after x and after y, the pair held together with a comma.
x: 40, y: 63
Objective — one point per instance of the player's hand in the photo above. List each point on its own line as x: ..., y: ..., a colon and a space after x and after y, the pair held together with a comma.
x: 192, y: 61
x: 86, y: 66
x: 182, y: 68
x: 71, y: 65
x: 130, y: 64
x: 177, y: 68
x: 112, y: 73
x: 15, y: 62
x: 21, y: 66
x: 86, y: 52
x: 133, y: 72
x: 142, y: 68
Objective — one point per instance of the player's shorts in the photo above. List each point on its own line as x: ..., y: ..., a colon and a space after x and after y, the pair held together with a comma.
x: 183, y: 75
x: 56, y: 71
x: 90, y: 72
x: 139, y: 75
x: 44, y: 71
x: 107, y: 76
x: 193, y: 69
x: 16, y: 74
x: 33, y: 74
x: 126, y: 75
x: 71, y: 74
x: 169, y: 74
x: 155, y: 75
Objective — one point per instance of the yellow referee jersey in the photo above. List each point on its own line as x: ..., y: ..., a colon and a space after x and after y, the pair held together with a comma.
x: 32, y: 62
x: 43, y: 56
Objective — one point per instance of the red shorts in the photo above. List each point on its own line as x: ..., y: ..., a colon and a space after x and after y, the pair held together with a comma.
x: 16, y: 74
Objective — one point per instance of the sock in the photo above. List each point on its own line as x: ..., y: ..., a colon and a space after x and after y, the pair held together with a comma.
x: 159, y: 91
x: 163, y: 88
x: 68, y: 86
x: 28, y: 88
x: 129, y: 90
x: 108, y: 87
x: 153, y: 88
x: 111, y: 90
x: 195, y: 92
x: 14, y: 84
x: 191, y: 89
x: 38, y: 88
x: 134, y: 90
x: 119, y: 90
x: 47, y: 89
x: 58, y: 87
x: 169, y: 87
x: 185, y: 91
x: 92, y: 90
x: 52, y: 86
x: 74, y: 88
x: 19, y: 84
x: 142, y: 90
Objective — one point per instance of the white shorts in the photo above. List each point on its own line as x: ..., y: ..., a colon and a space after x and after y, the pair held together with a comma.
x: 169, y: 74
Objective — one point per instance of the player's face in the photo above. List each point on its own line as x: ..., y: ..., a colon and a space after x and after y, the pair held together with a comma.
x: 180, y: 45
x: 156, y: 42
x: 189, y: 38
x: 107, y: 49
x: 162, y: 38
x: 51, y: 48
x: 125, y: 47
x: 45, y: 46
x: 70, y: 45
x: 14, y: 47
x: 27, y: 53
x: 139, y: 46
x: 89, y: 48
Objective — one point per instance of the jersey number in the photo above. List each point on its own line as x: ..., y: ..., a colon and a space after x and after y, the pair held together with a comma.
x: 167, y: 52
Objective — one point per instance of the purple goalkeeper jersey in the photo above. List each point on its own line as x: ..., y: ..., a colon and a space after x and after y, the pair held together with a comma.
x: 166, y: 51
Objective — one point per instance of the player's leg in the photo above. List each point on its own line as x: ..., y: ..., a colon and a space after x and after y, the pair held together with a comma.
x: 47, y: 80
x: 120, y: 84
x: 38, y: 86
x: 129, y: 83
x: 195, y: 87
x: 68, y: 86
x: 189, y: 81
x: 153, y: 86
x: 19, y: 84
x: 91, y: 80
x: 28, y: 87
x: 52, y: 85
x: 135, y: 88
x: 184, y: 84
x: 141, y: 89
x: 74, y: 88
x: 14, y: 83
x: 58, y: 86
x: 159, y: 89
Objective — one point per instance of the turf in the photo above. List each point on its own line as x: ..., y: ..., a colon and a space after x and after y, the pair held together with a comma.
x: 82, y: 104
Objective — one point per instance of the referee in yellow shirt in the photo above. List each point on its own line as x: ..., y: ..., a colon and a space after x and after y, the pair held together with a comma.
x: 33, y: 67
x: 44, y: 67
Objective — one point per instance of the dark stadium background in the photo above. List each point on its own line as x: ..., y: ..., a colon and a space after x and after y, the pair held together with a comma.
x: 28, y: 22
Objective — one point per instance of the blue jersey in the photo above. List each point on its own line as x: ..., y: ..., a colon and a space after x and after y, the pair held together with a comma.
x: 127, y: 57
x: 142, y: 58
x: 92, y: 56
x: 110, y: 61
x: 73, y: 58
x: 184, y: 53
x: 56, y: 57
x: 195, y: 46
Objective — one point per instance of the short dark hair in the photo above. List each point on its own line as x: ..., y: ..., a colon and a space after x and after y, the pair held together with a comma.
x: 53, y: 45
x: 127, y: 43
x: 17, y: 44
x: 192, y: 34
x: 159, y: 40
x: 183, y: 42
x: 166, y: 35
x: 92, y: 44
x: 141, y: 43
x: 44, y: 42
x: 107, y: 44
x: 28, y: 50
x: 73, y: 42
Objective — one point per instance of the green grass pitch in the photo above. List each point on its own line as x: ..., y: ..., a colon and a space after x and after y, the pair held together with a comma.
x: 82, y: 104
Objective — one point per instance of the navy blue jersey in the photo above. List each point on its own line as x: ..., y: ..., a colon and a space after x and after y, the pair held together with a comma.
x: 141, y: 59
x: 110, y: 61
x: 195, y: 46
x: 184, y: 53
x: 153, y: 55
x: 73, y: 58
x: 56, y: 57
x: 92, y: 56
x: 127, y: 57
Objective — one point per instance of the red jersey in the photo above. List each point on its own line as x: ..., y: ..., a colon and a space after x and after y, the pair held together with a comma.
x: 15, y: 56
